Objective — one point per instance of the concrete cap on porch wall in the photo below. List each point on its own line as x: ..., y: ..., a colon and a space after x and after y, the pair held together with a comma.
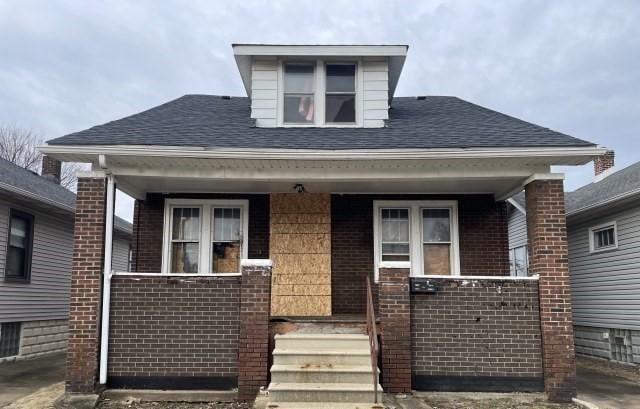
x: 256, y: 262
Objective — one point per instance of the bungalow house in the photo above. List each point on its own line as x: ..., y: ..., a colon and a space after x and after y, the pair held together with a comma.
x: 603, y: 221
x: 276, y: 234
x: 36, y: 249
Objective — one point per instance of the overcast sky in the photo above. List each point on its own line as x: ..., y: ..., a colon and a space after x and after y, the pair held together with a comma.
x: 571, y: 66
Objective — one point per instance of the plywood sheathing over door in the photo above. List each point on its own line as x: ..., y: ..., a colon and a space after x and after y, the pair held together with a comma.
x: 300, y: 248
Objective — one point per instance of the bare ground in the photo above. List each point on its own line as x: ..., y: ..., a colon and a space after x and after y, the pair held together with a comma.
x: 490, y: 401
x: 107, y: 404
x: 43, y: 398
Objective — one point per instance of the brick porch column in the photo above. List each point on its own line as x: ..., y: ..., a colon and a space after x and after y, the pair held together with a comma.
x: 253, y: 353
x: 547, y: 234
x: 394, y: 308
x: 88, y: 257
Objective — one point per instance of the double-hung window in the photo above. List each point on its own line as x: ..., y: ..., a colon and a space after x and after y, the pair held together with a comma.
x: 423, y: 233
x: 603, y: 237
x: 19, y: 247
x: 318, y: 93
x: 204, y: 237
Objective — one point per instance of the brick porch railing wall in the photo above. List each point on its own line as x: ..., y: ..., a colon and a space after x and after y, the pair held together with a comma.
x: 254, y: 330
x: 547, y: 234
x: 477, y: 335
x: 84, y: 303
x: 395, y: 327
x: 174, y: 332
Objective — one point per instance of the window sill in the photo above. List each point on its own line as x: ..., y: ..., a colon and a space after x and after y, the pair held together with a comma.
x: 605, y: 250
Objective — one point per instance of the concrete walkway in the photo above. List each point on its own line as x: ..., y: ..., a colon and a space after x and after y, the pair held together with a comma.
x: 20, y: 378
x: 608, y: 386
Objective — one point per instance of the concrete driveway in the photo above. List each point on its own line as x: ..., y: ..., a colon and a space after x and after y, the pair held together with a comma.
x: 608, y: 386
x: 21, y: 378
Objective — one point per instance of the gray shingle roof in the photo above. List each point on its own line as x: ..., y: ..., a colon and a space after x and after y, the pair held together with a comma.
x: 213, y: 121
x: 624, y: 181
x: 43, y: 189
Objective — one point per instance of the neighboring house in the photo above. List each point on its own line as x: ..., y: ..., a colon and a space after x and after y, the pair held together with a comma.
x: 36, y: 249
x: 603, y: 227
x: 269, y: 214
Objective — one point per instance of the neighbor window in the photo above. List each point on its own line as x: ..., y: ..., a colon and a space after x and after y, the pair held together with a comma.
x: 603, y: 237
x: 299, y: 107
x: 19, y: 247
x: 204, y: 237
x: 518, y: 261
x: 423, y: 233
x: 9, y: 339
x: 340, y: 101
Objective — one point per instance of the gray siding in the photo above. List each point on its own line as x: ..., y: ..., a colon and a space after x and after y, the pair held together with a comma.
x: 606, y: 286
x: 517, y: 228
x: 46, y: 297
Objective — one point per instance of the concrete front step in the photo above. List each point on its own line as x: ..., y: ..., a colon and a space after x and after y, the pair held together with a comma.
x: 307, y: 357
x: 322, y: 392
x: 322, y: 373
x: 322, y: 342
x: 324, y: 405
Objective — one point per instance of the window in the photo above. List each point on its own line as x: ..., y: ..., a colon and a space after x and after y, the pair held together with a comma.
x: 19, y: 247
x: 299, y: 107
x: 204, y: 237
x: 621, y: 345
x: 603, y: 237
x: 340, y: 100
x: 423, y: 233
x: 9, y: 339
x: 518, y: 261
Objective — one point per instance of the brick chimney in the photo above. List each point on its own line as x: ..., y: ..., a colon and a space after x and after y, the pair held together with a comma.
x: 603, y: 162
x: 51, y: 169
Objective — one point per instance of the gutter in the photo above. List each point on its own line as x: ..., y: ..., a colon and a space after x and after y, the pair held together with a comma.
x: 610, y: 200
x: 34, y: 196
x: 314, y: 154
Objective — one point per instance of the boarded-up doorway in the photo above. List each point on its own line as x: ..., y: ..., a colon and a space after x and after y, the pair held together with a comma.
x: 300, y: 247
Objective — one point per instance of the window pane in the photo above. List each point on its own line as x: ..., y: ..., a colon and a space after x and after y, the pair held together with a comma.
x: 225, y: 258
x: 18, y: 248
x: 184, y: 258
x: 226, y: 224
x: 186, y: 224
x: 520, y: 260
x: 340, y: 108
x: 512, y: 266
x: 436, y: 225
x: 604, y: 238
x: 298, y: 78
x: 341, y: 78
x: 16, y: 259
x: 298, y: 109
x: 437, y: 259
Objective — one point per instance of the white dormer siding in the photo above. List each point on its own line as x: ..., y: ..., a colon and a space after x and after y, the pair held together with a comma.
x: 264, y: 92
x: 377, y: 70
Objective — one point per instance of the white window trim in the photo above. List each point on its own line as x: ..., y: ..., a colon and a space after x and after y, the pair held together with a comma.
x: 206, y: 206
x: 593, y: 229
x: 319, y: 93
x: 415, y: 233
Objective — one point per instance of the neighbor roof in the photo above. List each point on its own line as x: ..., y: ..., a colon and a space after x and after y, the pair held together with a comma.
x: 222, y: 122
x: 617, y: 185
x: 17, y: 180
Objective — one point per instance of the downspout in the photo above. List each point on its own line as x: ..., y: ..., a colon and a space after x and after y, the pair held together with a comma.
x: 106, y: 282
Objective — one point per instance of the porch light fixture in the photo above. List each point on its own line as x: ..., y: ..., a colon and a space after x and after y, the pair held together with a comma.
x: 299, y: 188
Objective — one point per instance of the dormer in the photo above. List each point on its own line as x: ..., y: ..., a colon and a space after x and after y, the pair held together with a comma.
x: 320, y: 85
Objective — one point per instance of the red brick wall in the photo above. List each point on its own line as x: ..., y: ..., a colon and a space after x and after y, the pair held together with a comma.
x: 477, y: 335
x: 148, y: 220
x: 483, y: 242
x: 51, y: 168
x: 604, y: 162
x: 171, y: 332
x: 548, y: 257
x: 88, y: 251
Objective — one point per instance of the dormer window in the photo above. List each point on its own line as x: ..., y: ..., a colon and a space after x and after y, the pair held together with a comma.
x: 340, y: 101
x: 299, y: 107
x: 318, y: 93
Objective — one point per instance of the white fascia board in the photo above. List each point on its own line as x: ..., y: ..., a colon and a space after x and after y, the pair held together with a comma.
x: 320, y: 50
x: 59, y: 152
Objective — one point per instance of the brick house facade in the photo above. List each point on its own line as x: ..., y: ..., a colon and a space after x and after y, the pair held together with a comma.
x: 248, y: 228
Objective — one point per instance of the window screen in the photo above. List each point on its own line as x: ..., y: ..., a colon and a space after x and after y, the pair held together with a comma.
x: 298, y: 93
x: 185, y: 240
x: 395, y: 234
x: 604, y: 238
x: 340, y: 101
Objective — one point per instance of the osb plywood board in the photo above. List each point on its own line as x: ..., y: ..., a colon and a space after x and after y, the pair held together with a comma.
x: 300, y: 247
x: 318, y: 264
x: 302, y: 305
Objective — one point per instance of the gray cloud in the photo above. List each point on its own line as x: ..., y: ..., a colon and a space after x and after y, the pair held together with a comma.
x: 573, y: 66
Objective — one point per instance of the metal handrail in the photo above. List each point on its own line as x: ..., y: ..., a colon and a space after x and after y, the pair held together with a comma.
x: 373, y: 339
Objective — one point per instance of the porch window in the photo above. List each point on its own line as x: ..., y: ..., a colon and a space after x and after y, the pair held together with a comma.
x: 204, y: 237
x: 425, y: 233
